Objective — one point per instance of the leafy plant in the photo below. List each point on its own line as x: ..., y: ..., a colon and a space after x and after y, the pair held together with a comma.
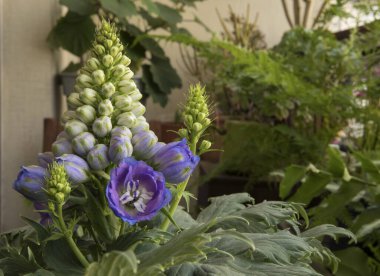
x: 344, y: 192
x: 74, y: 32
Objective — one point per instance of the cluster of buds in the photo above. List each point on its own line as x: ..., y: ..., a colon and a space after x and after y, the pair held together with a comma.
x: 57, y: 184
x: 196, y: 118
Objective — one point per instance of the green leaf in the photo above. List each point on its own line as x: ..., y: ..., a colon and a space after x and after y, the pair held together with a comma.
x: 151, y: 6
x: 202, y: 269
x: 368, y: 166
x: 42, y: 232
x: 335, y: 164
x: 293, y: 174
x: 151, y: 87
x: 153, y: 47
x: 82, y: 7
x: 59, y: 257
x: 98, y: 220
x: 224, y: 205
x: 164, y: 74
x: 311, y: 186
x: 321, y: 231
x: 41, y: 272
x: 17, y: 264
x: 115, y: 263
x: 368, y: 229
x: 170, y: 15
x: 73, y: 33
x: 122, y: 8
x: 366, y: 217
x: 354, y: 262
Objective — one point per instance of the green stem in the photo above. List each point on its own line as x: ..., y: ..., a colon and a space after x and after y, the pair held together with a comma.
x: 122, y: 228
x: 69, y: 238
x: 103, y: 201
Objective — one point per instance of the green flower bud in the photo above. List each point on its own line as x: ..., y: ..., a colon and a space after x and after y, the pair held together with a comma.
x: 119, y: 70
x: 127, y: 86
x: 127, y: 119
x: 105, y: 108
x: 108, y: 89
x: 135, y: 95
x: 206, y: 122
x: 74, y: 128
x: 98, y: 76
x: 60, y: 187
x: 84, y: 80
x: 201, y: 116
x: 102, y: 126
x: 89, y: 96
x: 52, y: 191
x: 128, y: 74
x: 197, y: 127
x: 67, y: 190
x: 188, y: 120
x: 51, y: 207
x: 74, y: 101
x: 86, y: 114
x: 93, y: 64
x: 107, y: 60
x: 123, y: 102
x: 57, y: 183
x: 59, y: 197
x: 205, y: 145
x: 67, y: 116
x: 114, y: 51
x: 109, y: 43
x: 125, y: 61
x: 183, y: 133
x: 138, y: 109
x: 99, y: 49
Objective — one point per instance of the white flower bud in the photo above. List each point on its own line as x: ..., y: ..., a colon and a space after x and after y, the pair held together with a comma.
x: 89, y: 96
x: 107, y: 60
x: 84, y: 80
x: 125, y: 60
x: 127, y: 86
x: 128, y: 74
x: 67, y: 116
x: 93, y: 63
x: 74, y: 128
x: 98, y: 76
x: 127, y: 119
x: 108, y: 89
x: 114, y: 51
x: 119, y: 70
x: 105, y: 108
x: 123, y: 102
x: 86, y: 114
x: 74, y: 101
x: 138, y: 109
x: 99, y: 49
x: 102, y: 126
x: 141, y: 125
x: 135, y: 95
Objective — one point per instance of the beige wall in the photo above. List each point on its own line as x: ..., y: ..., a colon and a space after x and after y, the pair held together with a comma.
x: 26, y: 90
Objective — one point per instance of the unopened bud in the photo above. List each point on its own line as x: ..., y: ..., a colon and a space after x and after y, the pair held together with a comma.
x: 114, y: 51
x: 108, y: 89
x: 127, y: 119
x: 109, y: 43
x: 135, y: 95
x: 201, y: 116
x: 74, y: 101
x: 188, y: 120
x: 138, y: 109
x: 67, y: 116
x: 102, y: 126
x: 122, y: 132
x: 98, y: 76
x: 105, y: 108
x: 206, y: 122
x: 205, y: 145
x: 61, y: 146
x: 98, y: 157
x: 86, y: 114
x: 197, y: 127
x: 123, y: 102
x: 107, y: 60
x: 99, y: 49
x: 183, y: 133
x: 60, y: 197
x: 88, y: 96
x: 83, y: 143
x: 119, y: 71
x: 125, y: 60
x: 75, y: 127
x: 93, y: 63
x: 84, y: 80
x: 141, y: 125
x: 128, y: 74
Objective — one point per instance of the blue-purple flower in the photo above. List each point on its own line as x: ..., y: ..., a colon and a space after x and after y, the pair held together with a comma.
x: 45, y: 158
x: 98, y: 157
x: 176, y: 161
x: 136, y: 192
x: 120, y: 148
x: 76, y: 168
x: 30, y: 182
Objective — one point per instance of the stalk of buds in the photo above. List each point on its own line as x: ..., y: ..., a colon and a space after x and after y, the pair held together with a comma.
x: 57, y: 184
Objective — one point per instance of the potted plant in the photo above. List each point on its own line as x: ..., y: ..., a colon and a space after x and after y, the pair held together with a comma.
x: 74, y: 32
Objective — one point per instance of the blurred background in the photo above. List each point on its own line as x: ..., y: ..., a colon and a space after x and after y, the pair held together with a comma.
x: 42, y: 43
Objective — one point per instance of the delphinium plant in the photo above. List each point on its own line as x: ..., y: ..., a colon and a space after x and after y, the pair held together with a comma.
x: 109, y: 195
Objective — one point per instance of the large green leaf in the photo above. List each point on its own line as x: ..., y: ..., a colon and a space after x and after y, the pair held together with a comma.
x: 151, y: 87
x: 202, y: 269
x: 151, y: 6
x: 164, y: 74
x: 170, y: 15
x: 323, y: 230
x: 354, y: 262
x: 313, y: 184
x: 122, y: 8
x: 368, y: 167
x: 335, y: 164
x: 73, y: 33
x: 59, y: 257
x: 293, y: 174
x: 115, y: 263
x: 82, y: 7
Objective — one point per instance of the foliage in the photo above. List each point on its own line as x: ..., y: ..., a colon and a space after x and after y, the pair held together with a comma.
x: 231, y: 235
x: 345, y: 192
x: 74, y: 32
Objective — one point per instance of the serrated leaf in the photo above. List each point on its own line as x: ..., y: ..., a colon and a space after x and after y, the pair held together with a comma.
x: 115, y: 263
x: 73, y: 32
x: 293, y: 174
x: 42, y: 232
x: 122, y: 8
x: 368, y: 229
x: 327, y: 230
x: 82, y: 7
x: 170, y: 15
x: 202, y: 269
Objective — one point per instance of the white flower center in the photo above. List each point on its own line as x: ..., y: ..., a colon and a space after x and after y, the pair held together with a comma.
x: 135, y: 195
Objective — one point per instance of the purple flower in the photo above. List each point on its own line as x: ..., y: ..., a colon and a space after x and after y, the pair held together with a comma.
x: 62, y: 146
x: 45, y: 158
x: 143, y: 144
x: 83, y: 143
x: 120, y: 148
x: 136, y: 192
x: 30, y: 182
x: 175, y: 161
x: 98, y: 157
x: 45, y: 217
x: 76, y: 168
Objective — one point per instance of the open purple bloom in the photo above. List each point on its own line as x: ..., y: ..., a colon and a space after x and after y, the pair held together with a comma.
x: 176, y: 161
x: 136, y: 192
x: 30, y: 182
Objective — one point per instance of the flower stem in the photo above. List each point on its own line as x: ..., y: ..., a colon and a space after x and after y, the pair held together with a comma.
x: 122, y: 228
x: 69, y: 238
x: 103, y: 201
